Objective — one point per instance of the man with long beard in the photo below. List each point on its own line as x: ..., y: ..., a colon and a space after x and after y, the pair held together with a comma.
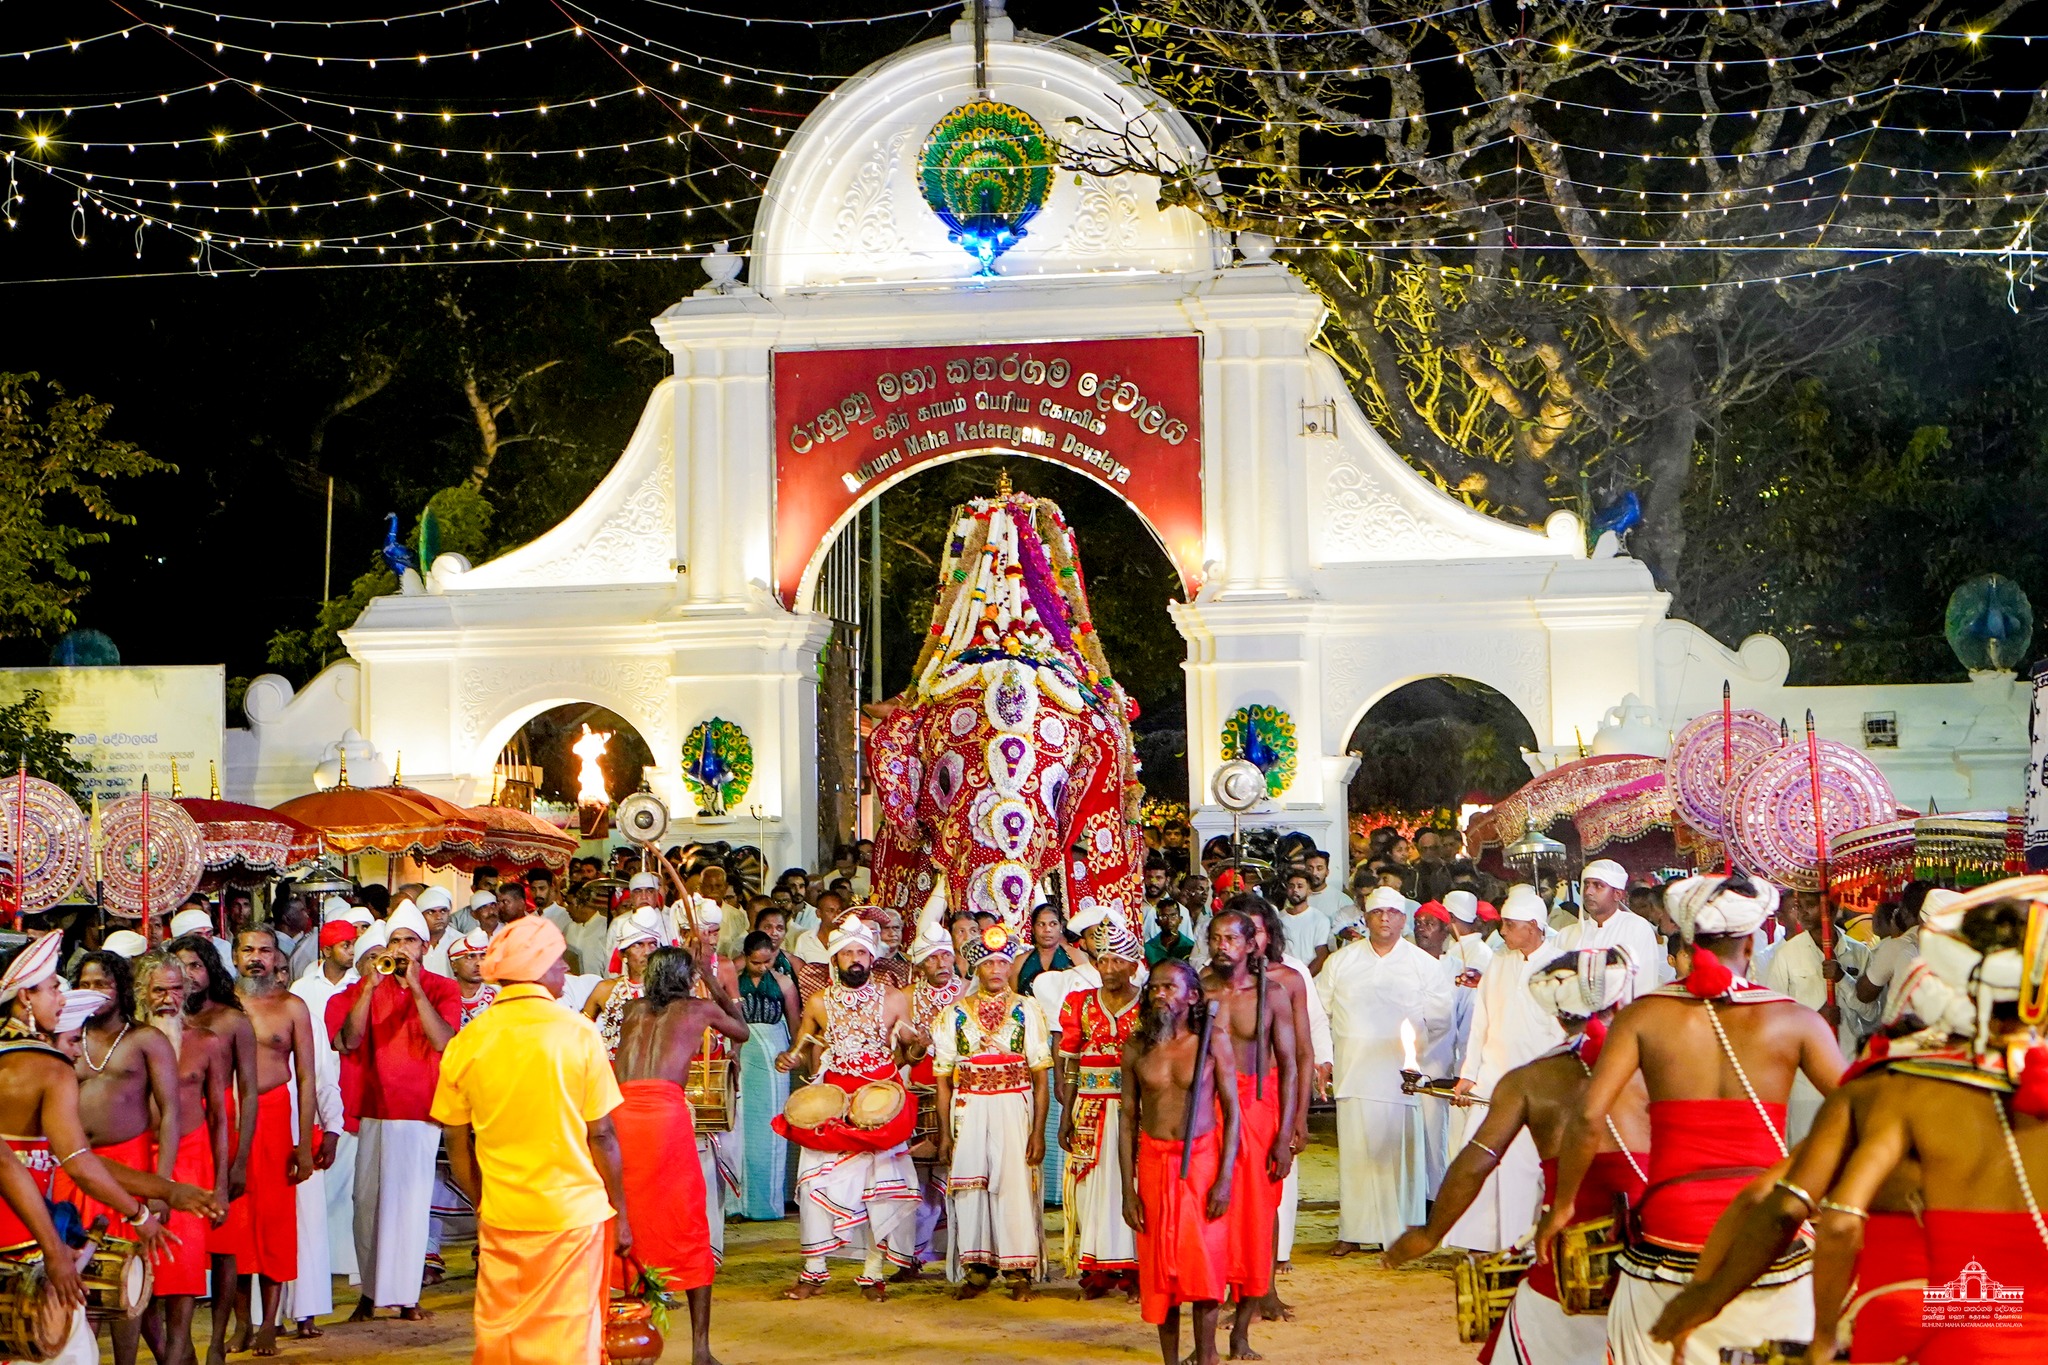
x: 262, y: 1229
x: 858, y: 1198
x: 1179, y: 1135
x: 205, y: 1077
x: 1718, y: 1056
x: 124, y: 1073
x: 1094, y: 1026
x: 990, y: 1056
x: 1260, y: 1023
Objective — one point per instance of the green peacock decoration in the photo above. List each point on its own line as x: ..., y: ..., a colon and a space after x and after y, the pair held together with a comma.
x: 718, y: 765
x: 986, y: 170
x: 1264, y: 736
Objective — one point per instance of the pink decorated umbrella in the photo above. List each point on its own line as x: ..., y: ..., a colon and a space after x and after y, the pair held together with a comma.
x: 1632, y: 824
x: 514, y: 838
x: 244, y: 844
x: 1557, y: 795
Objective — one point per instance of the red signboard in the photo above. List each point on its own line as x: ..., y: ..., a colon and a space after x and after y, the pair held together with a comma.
x: 1127, y: 413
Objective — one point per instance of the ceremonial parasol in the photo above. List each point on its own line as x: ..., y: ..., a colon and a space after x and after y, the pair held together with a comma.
x: 244, y: 844
x: 43, y: 833
x: 517, y: 838
x: 1557, y: 795
x: 1774, y: 805
x: 1631, y: 824
x: 1705, y: 758
x: 462, y: 833
x: 384, y: 820
x: 151, y: 855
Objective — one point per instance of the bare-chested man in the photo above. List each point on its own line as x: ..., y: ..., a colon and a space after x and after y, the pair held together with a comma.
x: 128, y: 1099
x: 1542, y: 1096
x: 1179, y: 1136
x: 262, y: 1229
x: 39, y: 1114
x: 205, y: 1076
x: 211, y: 1002
x: 659, y: 1037
x: 1261, y: 1028
x: 1719, y: 1056
x: 1269, y: 942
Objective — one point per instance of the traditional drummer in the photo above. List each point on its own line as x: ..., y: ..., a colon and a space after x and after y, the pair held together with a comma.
x: 858, y: 1200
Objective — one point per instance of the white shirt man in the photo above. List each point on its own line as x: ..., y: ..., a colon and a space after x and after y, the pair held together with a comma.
x: 327, y: 1244
x: 1509, y: 1029
x: 1324, y: 894
x: 1307, y: 928
x: 1605, y: 921
x: 590, y: 941
x: 1371, y: 988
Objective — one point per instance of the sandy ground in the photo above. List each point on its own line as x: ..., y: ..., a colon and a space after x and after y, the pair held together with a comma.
x: 1349, y: 1310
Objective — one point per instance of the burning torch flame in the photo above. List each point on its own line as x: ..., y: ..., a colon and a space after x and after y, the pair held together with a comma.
x: 590, y: 778
x: 1408, y: 1062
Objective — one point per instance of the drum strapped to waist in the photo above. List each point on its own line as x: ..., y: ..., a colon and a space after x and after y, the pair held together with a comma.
x: 118, y: 1280
x: 1586, y: 1269
x: 925, y: 1136
x: 714, y: 1093
x: 810, y: 1105
x: 1485, y: 1286
x: 875, y: 1104
x: 35, y: 1321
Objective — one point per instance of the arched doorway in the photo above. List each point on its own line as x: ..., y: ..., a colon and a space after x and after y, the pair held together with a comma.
x: 540, y: 768
x: 875, y: 583
x: 1428, y: 750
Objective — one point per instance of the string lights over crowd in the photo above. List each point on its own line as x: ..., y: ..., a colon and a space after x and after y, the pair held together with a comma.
x: 251, y: 157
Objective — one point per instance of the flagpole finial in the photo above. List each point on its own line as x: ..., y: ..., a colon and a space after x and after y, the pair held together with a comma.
x: 176, y: 790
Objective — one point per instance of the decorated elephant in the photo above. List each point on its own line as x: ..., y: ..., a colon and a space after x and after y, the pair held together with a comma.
x: 1008, y: 758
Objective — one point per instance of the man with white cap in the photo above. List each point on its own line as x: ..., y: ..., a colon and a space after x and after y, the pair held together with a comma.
x: 1509, y: 1029
x: 39, y: 1115
x: 395, y: 1024
x: 1718, y: 1055
x: 437, y: 908
x: 195, y: 922
x: 332, y: 1186
x: 635, y: 936
x: 1605, y: 921
x: 854, y: 1198
x: 126, y: 943
x: 480, y: 913
x: 1371, y: 988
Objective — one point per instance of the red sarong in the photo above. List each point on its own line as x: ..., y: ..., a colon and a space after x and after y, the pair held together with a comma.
x: 2006, y: 1250
x: 1608, y: 1176
x: 1254, y: 1200
x: 664, y: 1185
x: 262, y: 1227
x: 137, y: 1154
x: 1182, y: 1256
x: 1888, y: 1326
x: 1698, y: 1135
x: 182, y: 1268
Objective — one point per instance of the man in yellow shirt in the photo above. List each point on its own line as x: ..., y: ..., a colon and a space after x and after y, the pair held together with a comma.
x: 526, y: 1096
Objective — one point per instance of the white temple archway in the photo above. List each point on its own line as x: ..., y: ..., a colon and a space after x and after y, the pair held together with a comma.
x: 1323, y: 571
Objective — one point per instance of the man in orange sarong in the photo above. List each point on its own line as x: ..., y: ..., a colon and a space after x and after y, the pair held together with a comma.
x: 1260, y: 1025
x: 526, y: 1096
x: 1174, y: 1199
x: 659, y: 1037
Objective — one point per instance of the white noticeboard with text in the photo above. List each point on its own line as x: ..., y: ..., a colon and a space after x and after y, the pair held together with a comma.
x: 126, y: 722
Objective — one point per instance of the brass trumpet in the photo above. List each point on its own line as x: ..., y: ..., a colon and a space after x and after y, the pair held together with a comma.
x: 387, y: 964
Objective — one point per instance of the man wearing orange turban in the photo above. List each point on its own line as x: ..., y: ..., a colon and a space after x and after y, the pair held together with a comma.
x: 526, y: 1096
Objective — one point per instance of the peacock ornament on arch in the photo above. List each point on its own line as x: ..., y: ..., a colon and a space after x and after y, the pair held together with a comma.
x: 1009, y: 756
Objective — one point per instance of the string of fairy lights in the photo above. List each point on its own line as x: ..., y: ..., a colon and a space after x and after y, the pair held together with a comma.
x: 255, y: 156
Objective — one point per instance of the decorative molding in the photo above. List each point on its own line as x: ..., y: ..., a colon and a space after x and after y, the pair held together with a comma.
x: 635, y: 543
x: 637, y: 687
x: 865, y: 225
x: 1363, y: 520
x: 1515, y: 664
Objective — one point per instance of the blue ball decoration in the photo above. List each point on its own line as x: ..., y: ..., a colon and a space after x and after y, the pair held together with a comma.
x: 84, y: 649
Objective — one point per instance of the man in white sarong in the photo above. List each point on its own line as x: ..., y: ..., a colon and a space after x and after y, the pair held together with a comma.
x: 1508, y: 1029
x: 989, y: 1058
x: 934, y: 992
x: 857, y: 1198
x: 1605, y: 921
x: 1371, y: 988
x: 1095, y: 1023
x: 312, y: 1294
x: 1718, y: 1055
x: 1797, y: 969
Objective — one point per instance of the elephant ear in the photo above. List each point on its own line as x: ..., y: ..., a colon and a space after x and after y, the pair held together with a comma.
x: 897, y: 771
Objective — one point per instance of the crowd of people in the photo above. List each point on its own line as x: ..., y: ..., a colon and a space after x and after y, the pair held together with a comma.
x: 590, y: 1076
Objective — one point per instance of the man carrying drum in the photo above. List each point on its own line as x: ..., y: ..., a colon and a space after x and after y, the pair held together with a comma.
x: 659, y: 1037
x: 1583, y: 991
x: 39, y: 1115
x: 852, y: 1192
